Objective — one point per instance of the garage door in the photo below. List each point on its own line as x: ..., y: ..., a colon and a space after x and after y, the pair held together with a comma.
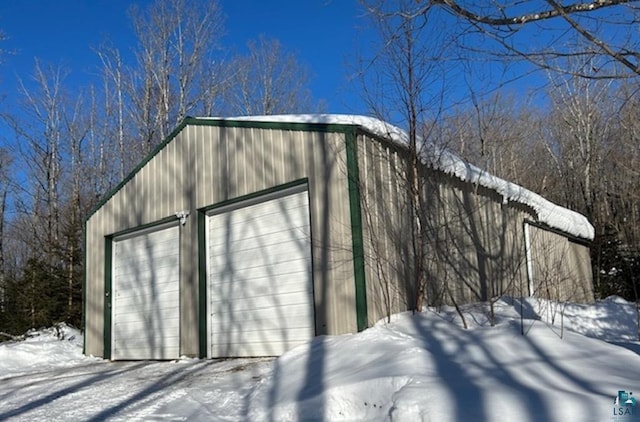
x: 260, y: 295
x: 145, y: 303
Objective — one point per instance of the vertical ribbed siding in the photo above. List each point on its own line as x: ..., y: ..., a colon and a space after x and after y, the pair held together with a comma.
x: 474, y: 246
x: 582, y: 276
x: 188, y: 144
x: 479, y: 253
x: 205, y: 164
x: 386, y: 238
x: 561, y: 268
x: 94, y: 293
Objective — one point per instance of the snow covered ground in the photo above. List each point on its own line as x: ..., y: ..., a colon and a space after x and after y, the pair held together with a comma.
x: 422, y: 367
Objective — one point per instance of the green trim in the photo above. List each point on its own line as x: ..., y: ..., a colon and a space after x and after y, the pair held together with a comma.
x: 307, y: 127
x: 254, y: 195
x: 108, y: 274
x: 84, y: 289
x: 155, y: 224
x: 202, y: 285
x: 139, y: 167
x: 108, y: 252
x: 353, y: 177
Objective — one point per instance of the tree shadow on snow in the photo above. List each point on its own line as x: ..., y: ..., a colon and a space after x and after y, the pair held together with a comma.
x: 634, y: 347
x: 465, y: 366
x: 101, y: 376
x: 111, y: 370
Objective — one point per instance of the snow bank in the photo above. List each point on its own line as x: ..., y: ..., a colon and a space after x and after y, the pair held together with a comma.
x: 427, y: 367
x: 549, y: 213
x: 422, y: 367
x: 55, y: 347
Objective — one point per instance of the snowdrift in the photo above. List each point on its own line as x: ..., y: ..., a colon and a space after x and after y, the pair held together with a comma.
x: 539, y: 361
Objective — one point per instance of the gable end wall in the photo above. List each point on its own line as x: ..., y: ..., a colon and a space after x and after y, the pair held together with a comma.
x: 204, y: 164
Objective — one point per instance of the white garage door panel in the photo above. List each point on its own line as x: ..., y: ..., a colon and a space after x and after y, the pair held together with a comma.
x: 281, y: 271
x: 129, y: 322
x: 260, y: 291
x: 153, y: 246
x: 297, y: 316
x: 134, y: 305
x: 287, y: 206
x: 257, y: 303
x: 137, y: 269
x: 153, y: 348
x: 263, y: 284
x: 267, y: 237
x: 256, y: 349
x: 258, y: 252
x: 299, y: 335
x: 148, y: 299
x: 133, y: 250
x: 145, y: 306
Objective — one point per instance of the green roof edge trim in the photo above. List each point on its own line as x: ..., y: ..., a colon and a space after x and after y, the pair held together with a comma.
x: 304, y: 126
x: 353, y: 179
x: 139, y: 167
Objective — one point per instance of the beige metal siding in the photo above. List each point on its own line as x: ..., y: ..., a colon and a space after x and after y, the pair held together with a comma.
x: 204, y: 165
x: 560, y: 269
x: 479, y: 252
x: 94, y: 295
x: 474, y: 247
x: 386, y: 229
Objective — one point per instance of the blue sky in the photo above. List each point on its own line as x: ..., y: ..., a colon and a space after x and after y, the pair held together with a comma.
x: 323, y: 33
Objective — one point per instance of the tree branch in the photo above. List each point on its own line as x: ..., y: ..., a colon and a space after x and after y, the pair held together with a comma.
x: 593, y: 39
x: 557, y: 11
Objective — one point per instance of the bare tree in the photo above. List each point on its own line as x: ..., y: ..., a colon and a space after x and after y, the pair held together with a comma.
x: 562, y: 29
x: 50, y: 133
x: 176, y: 42
x: 41, y: 133
x: 499, y: 134
x: 39, y: 136
x: 76, y: 127
x: 618, y: 246
x: 580, y: 126
x: 115, y: 86
x: 269, y: 80
x: 403, y: 83
x: 5, y: 169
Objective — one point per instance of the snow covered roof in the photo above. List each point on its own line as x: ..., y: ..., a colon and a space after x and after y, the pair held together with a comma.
x: 549, y: 213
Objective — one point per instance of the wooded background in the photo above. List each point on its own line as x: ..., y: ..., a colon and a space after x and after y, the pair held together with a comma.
x: 574, y: 140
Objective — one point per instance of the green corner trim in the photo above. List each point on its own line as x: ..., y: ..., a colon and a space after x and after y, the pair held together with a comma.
x: 353, y: 177
x: 202, y: 285
x: 108, y: 256
x: 84, y: 289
